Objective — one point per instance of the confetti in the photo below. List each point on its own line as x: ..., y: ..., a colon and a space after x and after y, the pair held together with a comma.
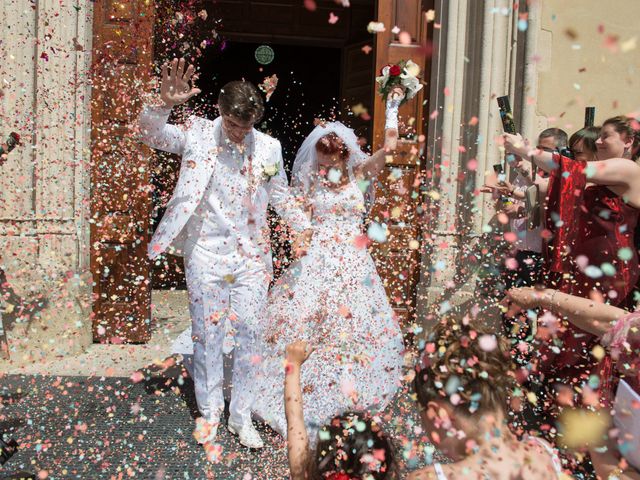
x: 377, y: 232
x: 375, y: 27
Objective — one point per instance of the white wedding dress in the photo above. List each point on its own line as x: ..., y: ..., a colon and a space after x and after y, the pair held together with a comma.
x: 333, y: 298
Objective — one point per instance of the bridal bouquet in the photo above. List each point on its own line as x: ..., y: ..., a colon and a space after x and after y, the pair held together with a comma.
x: 268, y: 85
x: 404, y: 74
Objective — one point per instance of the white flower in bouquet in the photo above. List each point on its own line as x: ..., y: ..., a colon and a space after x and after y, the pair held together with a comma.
x: 404, y: 74
x: 412, y: 68
x: 384, y: 78
x: 411, y: 84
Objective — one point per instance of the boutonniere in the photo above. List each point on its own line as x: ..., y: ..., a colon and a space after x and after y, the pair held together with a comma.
x: 270, y: 170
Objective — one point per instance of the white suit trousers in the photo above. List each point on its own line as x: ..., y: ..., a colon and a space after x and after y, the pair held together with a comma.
x: 225, y: 288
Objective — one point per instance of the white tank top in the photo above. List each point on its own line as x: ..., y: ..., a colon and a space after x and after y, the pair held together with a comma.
x: 557, y: 466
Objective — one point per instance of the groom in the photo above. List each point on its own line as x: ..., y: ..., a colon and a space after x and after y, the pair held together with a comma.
x: 216, y: 219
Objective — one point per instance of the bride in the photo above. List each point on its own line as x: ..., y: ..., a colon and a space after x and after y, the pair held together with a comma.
x: 333, y: 297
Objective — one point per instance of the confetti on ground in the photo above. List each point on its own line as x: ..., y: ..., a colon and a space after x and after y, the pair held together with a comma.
x: 100, y: 428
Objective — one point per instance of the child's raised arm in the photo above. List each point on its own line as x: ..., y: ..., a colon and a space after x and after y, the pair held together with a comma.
x: 297, y: 438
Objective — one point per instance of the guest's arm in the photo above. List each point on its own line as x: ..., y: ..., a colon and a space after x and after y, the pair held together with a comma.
x: 613, y: 172
x: 617, y: 172
x: 297, y: 437
x: 606, y: 464
x: 543, y: 186
x: 588, y: 315
x: 521, y: 147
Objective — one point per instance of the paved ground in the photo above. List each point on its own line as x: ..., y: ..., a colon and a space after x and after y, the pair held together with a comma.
x: 104, y: 428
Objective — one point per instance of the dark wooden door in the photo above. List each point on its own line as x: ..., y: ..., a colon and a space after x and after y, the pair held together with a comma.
x: 120, y: 196
x: 398, y: 196
x: 356, y: 88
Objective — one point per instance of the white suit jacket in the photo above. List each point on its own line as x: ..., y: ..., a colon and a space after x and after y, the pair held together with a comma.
x: 197, y: 143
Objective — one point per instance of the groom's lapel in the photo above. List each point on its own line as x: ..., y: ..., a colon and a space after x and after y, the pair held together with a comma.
x: 201, y: 155
x: 259, y: 153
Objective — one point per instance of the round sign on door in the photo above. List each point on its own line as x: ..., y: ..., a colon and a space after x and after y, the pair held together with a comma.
x: 265, y: 54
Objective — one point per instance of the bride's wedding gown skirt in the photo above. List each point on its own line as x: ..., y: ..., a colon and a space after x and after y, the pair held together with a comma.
x: 333, y: 298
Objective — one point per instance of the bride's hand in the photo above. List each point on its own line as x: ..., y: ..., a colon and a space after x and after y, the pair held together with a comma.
x: 397, y: 93
x: 298, y: 352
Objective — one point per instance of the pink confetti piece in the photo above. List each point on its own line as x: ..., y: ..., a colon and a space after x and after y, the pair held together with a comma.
x: 488, y: 343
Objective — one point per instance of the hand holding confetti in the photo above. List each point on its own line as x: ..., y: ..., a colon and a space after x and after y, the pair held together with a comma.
x: 298, y: 352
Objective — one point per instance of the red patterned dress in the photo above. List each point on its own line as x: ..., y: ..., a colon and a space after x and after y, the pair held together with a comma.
x: 592, y: 249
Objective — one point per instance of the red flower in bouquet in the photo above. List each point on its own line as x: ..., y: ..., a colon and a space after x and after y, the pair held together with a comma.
x: 404, y: 74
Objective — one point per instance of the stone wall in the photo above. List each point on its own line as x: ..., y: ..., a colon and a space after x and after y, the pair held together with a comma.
x: 587, y: 55
x: 476, y: 58
x: 44, y: 185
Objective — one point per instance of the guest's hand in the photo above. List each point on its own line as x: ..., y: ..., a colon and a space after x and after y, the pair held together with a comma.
x: 176, y: 87
x: 526, y: 297
x: 503, y: 188
x: 516, y: 144
x: 302, y: 242
x: 298, y: 352
x: 513, y: 210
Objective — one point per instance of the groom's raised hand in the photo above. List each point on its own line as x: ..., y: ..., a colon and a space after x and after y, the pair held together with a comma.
x: 176, y: 87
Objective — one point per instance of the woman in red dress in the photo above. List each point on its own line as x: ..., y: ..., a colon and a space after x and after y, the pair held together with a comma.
x: 593, y: 210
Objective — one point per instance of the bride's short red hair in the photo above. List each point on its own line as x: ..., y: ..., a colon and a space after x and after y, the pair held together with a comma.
x: 332, y: 144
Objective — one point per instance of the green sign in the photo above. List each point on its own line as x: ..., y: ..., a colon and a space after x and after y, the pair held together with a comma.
x: 265, y: 54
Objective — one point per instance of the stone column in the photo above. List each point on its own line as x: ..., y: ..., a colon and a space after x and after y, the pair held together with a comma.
x: 476, y: 55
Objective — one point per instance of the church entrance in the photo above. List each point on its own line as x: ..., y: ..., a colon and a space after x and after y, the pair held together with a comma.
x: 325, y: 61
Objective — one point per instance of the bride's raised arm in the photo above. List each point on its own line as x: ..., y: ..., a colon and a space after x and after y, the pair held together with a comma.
x: 375, y: 163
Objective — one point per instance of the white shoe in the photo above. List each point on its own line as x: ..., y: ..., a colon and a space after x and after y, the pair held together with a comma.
x: 206, y: 431
x: 247, y: 433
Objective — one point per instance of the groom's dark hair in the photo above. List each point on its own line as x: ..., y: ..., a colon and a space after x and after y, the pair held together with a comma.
x: 242, y: 100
